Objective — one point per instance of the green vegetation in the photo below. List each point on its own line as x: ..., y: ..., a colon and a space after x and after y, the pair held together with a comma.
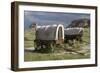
x: 29, y: 37
x: 59, y: 52
x: 31, y: 56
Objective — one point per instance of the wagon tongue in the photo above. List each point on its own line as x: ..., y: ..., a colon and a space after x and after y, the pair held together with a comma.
x: 71, y: 50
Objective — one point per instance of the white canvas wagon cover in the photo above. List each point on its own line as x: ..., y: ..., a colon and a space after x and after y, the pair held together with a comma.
x: 49, y: 32
x: 73, y: 31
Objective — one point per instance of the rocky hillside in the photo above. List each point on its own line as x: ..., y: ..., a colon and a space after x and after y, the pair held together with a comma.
x: 80, y: 23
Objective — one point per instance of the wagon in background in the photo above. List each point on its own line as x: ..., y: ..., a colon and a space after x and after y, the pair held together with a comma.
x: 73, y: 33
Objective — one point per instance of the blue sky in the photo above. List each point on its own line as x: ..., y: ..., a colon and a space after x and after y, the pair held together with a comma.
x: 45, y: 18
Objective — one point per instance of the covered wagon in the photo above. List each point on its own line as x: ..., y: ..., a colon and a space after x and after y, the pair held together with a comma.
x: 49, y: 34
x: 73, y: 33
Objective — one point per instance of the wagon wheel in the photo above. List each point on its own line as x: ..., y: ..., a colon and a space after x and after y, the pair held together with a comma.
x: 51, y: 47
x: 37, y: 45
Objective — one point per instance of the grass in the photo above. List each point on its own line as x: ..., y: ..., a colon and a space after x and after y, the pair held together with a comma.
x: 29, y: 56
x: 59, y: 53
x: 29, y: 37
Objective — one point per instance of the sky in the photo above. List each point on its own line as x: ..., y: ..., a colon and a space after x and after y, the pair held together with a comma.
x: 49, y: 18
